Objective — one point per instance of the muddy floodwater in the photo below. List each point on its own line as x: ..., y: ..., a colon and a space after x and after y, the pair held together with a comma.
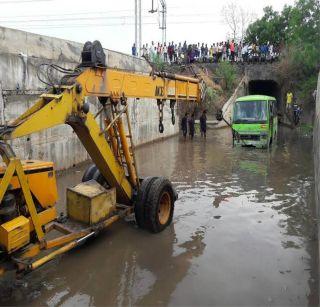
x: 243, y: 233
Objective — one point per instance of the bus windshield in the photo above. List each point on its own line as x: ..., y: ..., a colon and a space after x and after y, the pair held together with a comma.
x: 250, y: 112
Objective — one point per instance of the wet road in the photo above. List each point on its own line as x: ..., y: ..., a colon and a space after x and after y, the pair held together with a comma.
x: 243, y: 233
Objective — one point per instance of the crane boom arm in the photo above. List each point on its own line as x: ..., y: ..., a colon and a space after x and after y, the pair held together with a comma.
x: 116, y: 83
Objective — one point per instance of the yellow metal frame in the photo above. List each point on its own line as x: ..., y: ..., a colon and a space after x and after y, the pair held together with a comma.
x: 68, y: 240
x: 15, y: 166
x: 65, y: 242
x: 117, y: 83
x: 41, y: 180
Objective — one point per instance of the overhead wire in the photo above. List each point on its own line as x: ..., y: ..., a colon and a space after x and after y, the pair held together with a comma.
x: 95, y: 18
x: 73, y: 13
x: 53, y: 26
x: 70, y: 14
x: 67, y: 14
x: 64, y: 19
x: 22, y: 1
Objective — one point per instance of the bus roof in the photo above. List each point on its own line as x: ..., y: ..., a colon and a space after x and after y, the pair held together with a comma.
x: 255, y: 98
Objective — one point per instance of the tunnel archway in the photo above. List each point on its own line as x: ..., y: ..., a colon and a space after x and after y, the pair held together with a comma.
x: 266, y: 87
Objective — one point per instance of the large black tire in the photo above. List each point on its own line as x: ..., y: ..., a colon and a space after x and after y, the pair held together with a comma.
x: 88, y: 174
x: 160, y: 205
x: 92, y: 173
x: 142, y: 199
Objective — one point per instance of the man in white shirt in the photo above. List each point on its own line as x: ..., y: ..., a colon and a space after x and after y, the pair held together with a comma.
x: 244, y: 52
x: 147, y: 51
x: 165, y: 52
x: 151, y: 51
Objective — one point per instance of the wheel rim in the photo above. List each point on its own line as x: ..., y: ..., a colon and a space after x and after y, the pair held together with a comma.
x: 164, y: 208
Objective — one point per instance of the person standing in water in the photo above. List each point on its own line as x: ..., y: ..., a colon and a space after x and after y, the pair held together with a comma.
x: 184, y: 125
x: 203, y: 124
x: 191, y: 126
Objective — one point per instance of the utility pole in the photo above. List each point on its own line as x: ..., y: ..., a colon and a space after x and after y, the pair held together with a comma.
x: 136, y: 23
x: 138, y: 26
x: 140, y: 30
x: 163, y: 21
x: 163, y: 25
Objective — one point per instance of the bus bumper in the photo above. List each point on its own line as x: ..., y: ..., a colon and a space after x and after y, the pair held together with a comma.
x: 257, y: 140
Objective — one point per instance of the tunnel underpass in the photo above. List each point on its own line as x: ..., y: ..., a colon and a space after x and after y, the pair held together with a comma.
x: 265, y: 87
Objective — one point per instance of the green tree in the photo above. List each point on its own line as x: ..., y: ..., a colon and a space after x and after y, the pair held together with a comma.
x: 227, y: 72
x: 269, y: 28
x: 158, y: 63
x: 297, y: 30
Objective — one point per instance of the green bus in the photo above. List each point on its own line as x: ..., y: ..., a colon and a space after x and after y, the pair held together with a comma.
x: 255, y: 121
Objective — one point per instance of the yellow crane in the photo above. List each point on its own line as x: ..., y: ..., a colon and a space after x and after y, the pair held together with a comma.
x: 111, y: 187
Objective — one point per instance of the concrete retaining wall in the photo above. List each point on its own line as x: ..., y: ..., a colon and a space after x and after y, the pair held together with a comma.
x: 227, y: 108
x: 20, y: 55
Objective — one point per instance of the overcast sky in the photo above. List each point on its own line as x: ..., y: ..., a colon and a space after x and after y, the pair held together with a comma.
x: 112, y: 22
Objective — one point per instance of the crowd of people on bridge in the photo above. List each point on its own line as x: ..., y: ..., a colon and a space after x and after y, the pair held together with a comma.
x: 179, y: 53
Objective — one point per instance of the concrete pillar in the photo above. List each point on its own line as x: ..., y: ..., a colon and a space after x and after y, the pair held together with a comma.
x: 136, y: 23
x: 140, y: 30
